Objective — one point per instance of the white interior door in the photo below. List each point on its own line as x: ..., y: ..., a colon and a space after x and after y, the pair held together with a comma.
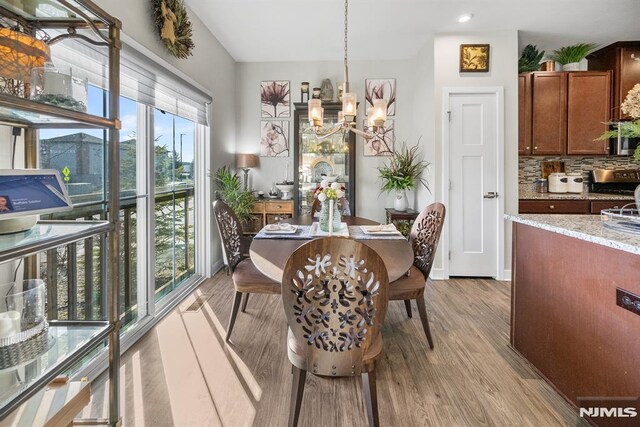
x: 473, y: 173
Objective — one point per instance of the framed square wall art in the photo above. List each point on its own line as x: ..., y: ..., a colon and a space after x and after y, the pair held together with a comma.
x: 381, y: 89
x: 275, y: 98
x: 274, y: 138
x: 383, y: 141
x: 474, y: 58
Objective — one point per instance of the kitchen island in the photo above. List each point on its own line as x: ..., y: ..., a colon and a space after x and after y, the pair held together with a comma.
x: 565, y: 319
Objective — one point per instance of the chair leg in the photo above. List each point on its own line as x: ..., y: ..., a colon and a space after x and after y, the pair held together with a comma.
x: 297, y: 390
x: 245, y: 299
x: 234, y: 313
x: 370, y: 397
x: 407, y: 304
x: 422, y: 309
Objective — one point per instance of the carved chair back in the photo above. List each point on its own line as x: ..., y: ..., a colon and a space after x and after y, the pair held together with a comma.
x: 425, y: 235
x: 334, y: 292
x: 230, y: 231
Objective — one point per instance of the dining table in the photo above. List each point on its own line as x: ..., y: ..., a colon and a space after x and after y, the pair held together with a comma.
x: 270, y: 253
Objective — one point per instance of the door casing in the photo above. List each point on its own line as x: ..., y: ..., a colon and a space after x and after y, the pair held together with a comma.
x: 498, y: 91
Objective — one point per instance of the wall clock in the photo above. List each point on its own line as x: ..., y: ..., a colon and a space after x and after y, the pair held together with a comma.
x: 173, y: 26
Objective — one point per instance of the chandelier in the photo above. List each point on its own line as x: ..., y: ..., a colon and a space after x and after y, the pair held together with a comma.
x: 376, y: 115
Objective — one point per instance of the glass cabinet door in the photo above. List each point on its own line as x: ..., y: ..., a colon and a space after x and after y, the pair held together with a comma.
x: 315, y: 159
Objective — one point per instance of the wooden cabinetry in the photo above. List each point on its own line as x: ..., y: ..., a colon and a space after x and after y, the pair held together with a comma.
x: 524, y: 113
x: 569, y: 206
x: 588, y: 107
x: 268, y: 212
x: 563, y: 112
x: 622, y: 59
x: 549, y: 113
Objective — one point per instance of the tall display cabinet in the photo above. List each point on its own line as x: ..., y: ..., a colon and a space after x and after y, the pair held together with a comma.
x: 315, y: 157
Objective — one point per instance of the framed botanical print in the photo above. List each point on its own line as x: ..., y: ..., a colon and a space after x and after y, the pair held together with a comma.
x: 274, y: 99
x: 382, y: 142
x: 474, y: 58
x: 381, y: 89
x: 274, y: 138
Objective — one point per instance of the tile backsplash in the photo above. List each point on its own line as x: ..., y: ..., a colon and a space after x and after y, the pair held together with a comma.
x: 529, y: 166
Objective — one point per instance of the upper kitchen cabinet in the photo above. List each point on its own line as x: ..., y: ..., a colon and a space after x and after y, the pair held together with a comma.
x: 549, y: 113
x: 623, y: 58
x: 588, y: 107
x: 524, y: 113
x: 563, y: 112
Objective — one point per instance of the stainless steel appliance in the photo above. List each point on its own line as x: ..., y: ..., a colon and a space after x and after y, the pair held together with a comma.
x: 622, y: 146
x: 614, y: 181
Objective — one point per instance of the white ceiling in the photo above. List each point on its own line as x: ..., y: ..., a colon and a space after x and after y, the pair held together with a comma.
x: 311, y: 30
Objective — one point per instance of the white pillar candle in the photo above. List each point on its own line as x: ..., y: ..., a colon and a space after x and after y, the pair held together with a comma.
x: 9, y: 323
x: 330, y: 217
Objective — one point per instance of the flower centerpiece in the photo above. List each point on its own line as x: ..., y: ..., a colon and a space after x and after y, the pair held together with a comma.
x: 329, y: 195
x: 403, y: 173
x: 630, y: 129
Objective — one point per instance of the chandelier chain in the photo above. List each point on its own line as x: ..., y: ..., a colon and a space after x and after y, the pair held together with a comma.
x: 346, y: 26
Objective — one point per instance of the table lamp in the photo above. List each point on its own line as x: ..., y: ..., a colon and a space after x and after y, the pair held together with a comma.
x: 246, y: 162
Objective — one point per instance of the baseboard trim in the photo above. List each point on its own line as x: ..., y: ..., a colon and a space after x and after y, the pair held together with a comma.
x: 437, y: 274
x: 506, y: 276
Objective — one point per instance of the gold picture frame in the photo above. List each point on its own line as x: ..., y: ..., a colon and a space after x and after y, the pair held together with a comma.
x: 474, y: 58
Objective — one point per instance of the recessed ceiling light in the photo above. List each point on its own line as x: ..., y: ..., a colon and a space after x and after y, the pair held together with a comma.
x: 466, y: 17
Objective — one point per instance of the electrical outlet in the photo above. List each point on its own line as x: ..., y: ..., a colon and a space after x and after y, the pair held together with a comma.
x: 628, y: 301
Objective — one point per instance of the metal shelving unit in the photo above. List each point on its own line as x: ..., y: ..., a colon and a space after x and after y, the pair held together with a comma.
x: 73, y: 340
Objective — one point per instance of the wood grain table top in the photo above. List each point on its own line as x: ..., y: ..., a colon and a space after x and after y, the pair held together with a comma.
x: 270, y: 255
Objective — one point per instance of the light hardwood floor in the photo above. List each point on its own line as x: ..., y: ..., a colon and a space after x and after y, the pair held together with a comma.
x: 183, y: 374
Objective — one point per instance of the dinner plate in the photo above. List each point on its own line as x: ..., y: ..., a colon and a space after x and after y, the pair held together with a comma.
x: 291, y: 230
x: 371, y: 229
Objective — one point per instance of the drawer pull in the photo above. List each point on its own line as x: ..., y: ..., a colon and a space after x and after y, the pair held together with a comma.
x: 551, y: 207
x: 279, y: 207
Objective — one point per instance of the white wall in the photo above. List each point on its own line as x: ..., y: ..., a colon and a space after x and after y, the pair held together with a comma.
x: 503, y: 71
x: 369, y: 202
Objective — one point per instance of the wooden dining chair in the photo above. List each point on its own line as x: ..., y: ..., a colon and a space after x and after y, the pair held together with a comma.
x: 246, y: 277
x: 424, y: 238
x: 334, y: 294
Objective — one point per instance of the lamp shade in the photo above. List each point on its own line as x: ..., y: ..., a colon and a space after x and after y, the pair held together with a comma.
x: 19, y: 53
x: 246, y: 161
x: 379, y: 112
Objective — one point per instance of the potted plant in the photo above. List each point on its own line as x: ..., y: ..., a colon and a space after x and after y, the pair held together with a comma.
x: 570, y: 56
x: 232, y: 192
x: 403, y: 173
x: 631, y: 129
x: 530, y: 59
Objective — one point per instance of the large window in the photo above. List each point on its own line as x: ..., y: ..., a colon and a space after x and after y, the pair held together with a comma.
x: 175, y: 207
x: 76, y: 273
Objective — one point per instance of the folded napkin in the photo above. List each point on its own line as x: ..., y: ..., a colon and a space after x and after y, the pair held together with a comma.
x: 382, y: 227
x: 279, y: 227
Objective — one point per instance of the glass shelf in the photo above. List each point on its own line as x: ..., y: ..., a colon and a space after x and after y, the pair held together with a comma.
x: 45, y: 11
x: 46, y: 235
x: 24, y: 112
x: 69, y: 342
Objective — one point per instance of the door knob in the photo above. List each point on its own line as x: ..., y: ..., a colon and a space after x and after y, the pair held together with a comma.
x: 491, y: 195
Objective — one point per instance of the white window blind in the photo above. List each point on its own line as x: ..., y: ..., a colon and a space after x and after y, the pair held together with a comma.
x: 141, y: 79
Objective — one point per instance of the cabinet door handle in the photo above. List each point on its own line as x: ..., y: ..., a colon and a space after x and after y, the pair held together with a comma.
x: 535, y: 148
x: 528, y: 148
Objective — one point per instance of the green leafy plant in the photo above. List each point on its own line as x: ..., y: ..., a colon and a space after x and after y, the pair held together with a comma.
x: 573, y: 53
x: 530, y: 59
x: 404, y: 170
x: 233, y: 194
x: 630, y: 129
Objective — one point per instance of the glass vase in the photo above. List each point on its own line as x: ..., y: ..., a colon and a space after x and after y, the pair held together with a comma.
x: 325, y: 215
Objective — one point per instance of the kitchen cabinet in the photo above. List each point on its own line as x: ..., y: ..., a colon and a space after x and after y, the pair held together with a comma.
x: 314, y: 157
x: 563, y: 112
x: 599, y: 205
x: 524, y: 113
x: 556, y: 206
x: 588, y: 109
x: 549, y: 113
x: 622, y: 59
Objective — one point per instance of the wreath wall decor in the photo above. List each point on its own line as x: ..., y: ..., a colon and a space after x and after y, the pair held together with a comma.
x: 174, y: 27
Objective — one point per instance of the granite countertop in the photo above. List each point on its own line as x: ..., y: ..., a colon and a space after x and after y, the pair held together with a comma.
x: 584, y: 227
x: 525, y: 192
